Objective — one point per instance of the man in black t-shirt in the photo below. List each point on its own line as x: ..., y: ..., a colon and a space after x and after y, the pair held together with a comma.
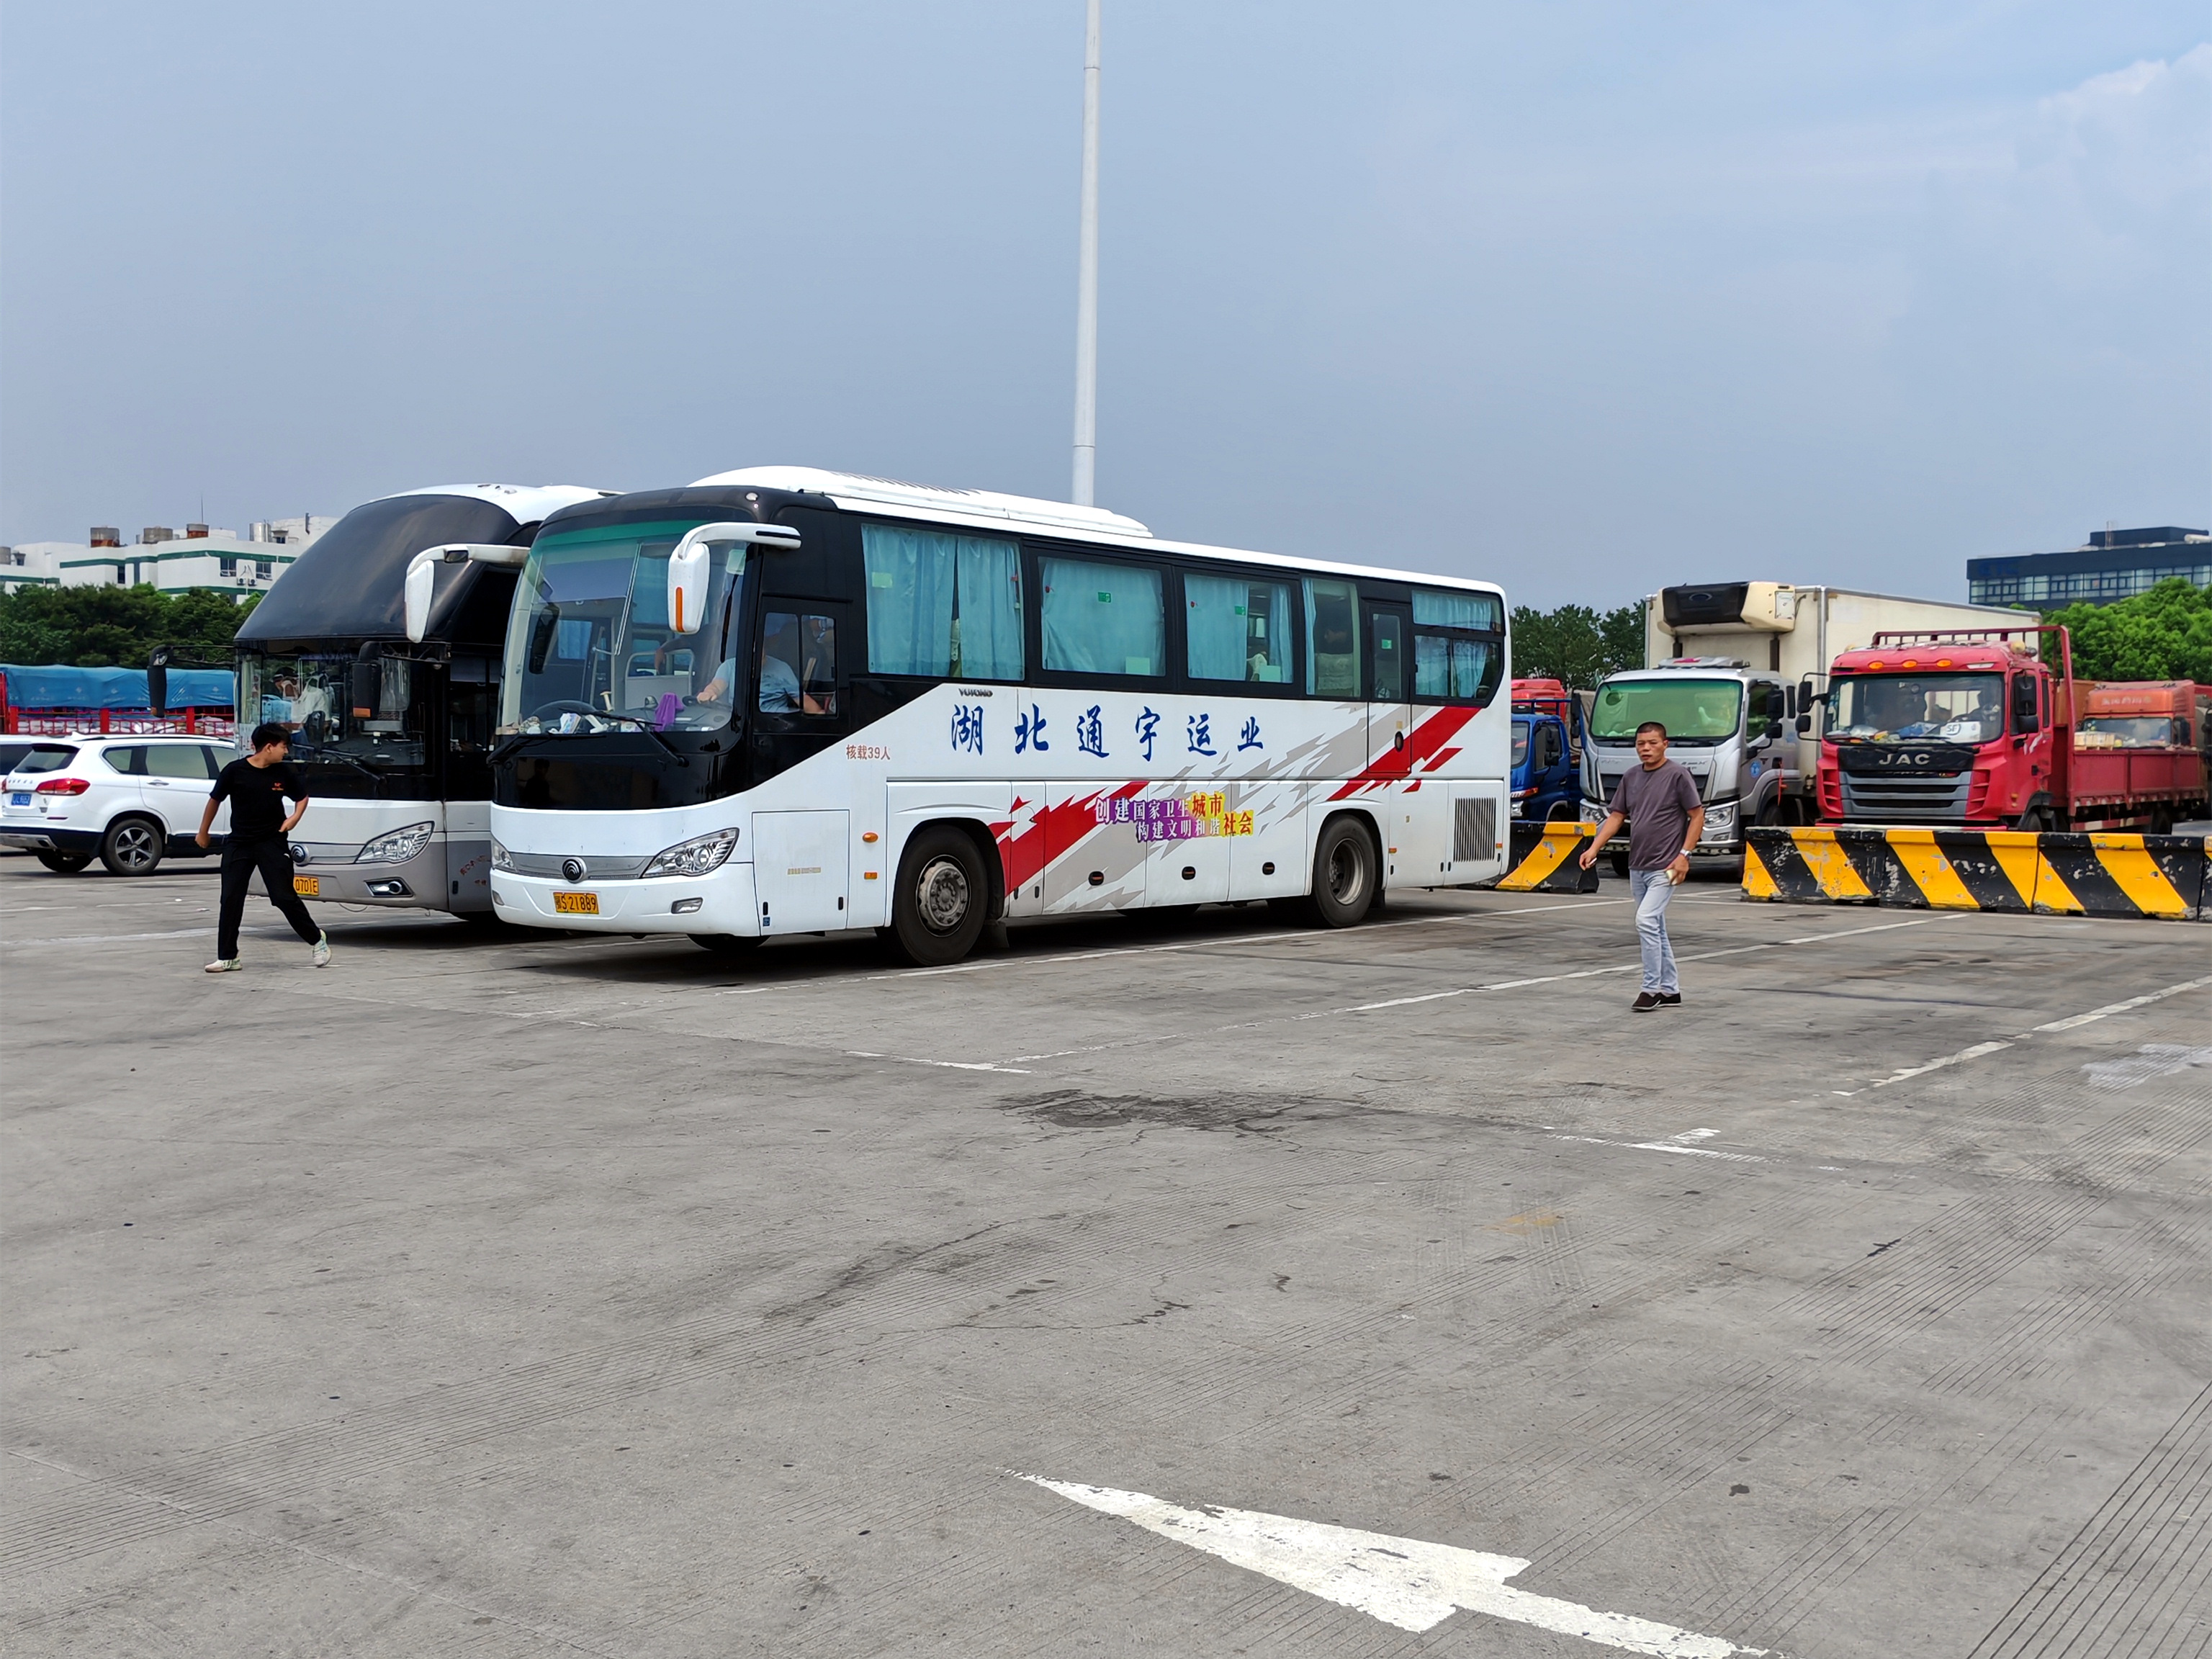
x: 256, y: 787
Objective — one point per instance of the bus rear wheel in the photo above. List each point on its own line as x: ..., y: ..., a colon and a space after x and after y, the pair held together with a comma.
x: 726, y: 944
x: 940, y: 905
x: 1343, y: 874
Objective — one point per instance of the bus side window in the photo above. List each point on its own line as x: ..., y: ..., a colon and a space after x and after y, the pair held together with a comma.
x: 1332, y: 640
x: 798, y: 663
x: 1101, y: 618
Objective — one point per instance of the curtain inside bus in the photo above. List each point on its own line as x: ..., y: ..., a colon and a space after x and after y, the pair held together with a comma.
x: 1332, y: 640
x: 943, y: 605
x: 1102, y: 618
x: 1238, y: 628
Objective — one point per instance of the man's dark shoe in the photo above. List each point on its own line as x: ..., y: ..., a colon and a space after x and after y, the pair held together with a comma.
x: 1670, y: 999
x: 1646, y: 1002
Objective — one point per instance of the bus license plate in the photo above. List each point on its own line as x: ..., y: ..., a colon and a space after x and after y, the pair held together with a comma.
x: 576, y: 904
x: 307, y: 886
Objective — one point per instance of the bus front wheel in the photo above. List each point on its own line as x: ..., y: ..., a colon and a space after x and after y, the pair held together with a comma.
x: 937, y: 908
x: 1344, y: 878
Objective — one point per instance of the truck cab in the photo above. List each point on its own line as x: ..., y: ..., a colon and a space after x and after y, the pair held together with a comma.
x: 1942, y: 733
x: 1725, y: 724
x: 1547, y: 752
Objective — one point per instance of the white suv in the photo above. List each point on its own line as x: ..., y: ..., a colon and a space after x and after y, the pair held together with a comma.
x: 131, y: 801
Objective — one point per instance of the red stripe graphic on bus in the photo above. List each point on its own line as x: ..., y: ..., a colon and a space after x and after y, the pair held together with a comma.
x: 1425, y: 743
x: 1052, y: 829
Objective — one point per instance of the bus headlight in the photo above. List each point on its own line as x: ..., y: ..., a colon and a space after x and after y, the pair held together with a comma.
x: 397, y: 847
x: 501, y: 858
x: 696, y: 857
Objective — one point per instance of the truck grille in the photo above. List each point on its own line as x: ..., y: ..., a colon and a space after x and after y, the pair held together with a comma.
x: 1906, y: 799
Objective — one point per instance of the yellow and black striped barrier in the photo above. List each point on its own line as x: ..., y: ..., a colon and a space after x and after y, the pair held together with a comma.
x: 1544, y: 859
x: 2078, y: 874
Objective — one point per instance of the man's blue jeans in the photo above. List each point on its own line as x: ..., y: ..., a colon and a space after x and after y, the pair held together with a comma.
x: 1651, y: 889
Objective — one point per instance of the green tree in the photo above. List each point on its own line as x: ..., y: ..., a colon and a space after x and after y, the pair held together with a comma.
x: 116, y: 627
x: 1575, y: 644
x: 2163, y: 635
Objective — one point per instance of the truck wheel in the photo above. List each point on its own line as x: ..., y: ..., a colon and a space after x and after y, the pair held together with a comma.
x: 937, y: 908
x: 131, y: 847
x: 1619, y: 865
x: 1344, y: 875
x: 65, y: 863
x: 726, y: 944
x: 1562, y: 812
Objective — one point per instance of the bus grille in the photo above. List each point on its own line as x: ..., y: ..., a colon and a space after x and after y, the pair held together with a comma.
x: 1906, y: 799
x: 1474, y: 829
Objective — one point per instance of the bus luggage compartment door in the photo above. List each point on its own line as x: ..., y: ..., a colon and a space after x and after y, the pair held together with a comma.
x: 800, y: 864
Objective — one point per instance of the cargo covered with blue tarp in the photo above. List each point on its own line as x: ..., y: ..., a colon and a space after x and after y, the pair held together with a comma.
x: 56, y: 686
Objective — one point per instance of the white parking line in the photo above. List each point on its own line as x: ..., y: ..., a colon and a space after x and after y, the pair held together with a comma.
x: 2111, y: 1009
x: 2069, y: 1023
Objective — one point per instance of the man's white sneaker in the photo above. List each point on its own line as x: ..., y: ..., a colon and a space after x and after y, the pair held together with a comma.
x: 322, y: 953
x: 224, y: 965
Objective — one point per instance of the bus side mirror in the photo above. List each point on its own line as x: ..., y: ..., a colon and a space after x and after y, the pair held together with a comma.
x: 689, y: 565
x: 688, y: 570
x: 157, y: 679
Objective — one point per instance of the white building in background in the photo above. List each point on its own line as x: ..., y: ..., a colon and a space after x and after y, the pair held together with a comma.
x: 31, y: 564
x: 203, y: 556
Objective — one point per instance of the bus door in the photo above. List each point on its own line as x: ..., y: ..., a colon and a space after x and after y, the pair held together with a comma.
x: 800, y: 691
x: 1403, y: 811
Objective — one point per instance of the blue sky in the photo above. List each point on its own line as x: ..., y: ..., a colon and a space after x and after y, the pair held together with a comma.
x: 1585, y: 298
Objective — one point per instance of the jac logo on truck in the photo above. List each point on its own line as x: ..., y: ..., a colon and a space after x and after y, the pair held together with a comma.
x: 1905, y: 760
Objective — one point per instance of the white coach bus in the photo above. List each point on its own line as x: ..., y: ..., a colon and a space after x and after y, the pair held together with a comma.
x: 787, y: 701
x: 378, y: 650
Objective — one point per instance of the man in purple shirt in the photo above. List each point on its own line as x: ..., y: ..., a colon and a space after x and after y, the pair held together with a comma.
x: 1659, y: 803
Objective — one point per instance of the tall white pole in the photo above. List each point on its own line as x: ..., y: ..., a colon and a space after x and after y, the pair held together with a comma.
x: 1087, y: 280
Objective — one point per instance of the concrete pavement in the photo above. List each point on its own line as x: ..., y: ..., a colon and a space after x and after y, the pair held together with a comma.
x: 518, y: 1293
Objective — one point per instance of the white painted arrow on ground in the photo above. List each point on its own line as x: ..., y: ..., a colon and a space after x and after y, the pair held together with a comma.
x: 1401, y: 1581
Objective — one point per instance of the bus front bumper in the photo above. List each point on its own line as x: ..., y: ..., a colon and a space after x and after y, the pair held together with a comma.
x: 722, y: 902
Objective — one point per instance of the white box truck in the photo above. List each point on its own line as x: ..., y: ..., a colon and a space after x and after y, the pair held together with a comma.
x: 1729, y: 667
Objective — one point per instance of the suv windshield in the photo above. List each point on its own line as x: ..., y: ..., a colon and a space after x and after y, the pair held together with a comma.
x: 1895, y: 707
x: 1692, y: 711
x: 590, y: 647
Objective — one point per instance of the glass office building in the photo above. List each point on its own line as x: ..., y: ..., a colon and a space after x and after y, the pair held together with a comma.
x: 2117, y: 564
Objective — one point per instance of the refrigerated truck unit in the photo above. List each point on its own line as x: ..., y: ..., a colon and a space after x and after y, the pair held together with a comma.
x: 1736, y: 663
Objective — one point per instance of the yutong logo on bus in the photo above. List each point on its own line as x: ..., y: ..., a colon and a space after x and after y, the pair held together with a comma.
x: 572, y: 869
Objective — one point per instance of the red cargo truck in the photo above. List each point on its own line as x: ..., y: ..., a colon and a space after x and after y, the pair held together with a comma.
x: 1975, y: 728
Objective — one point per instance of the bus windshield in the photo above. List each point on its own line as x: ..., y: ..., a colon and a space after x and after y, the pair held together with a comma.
x: 1890, y: 708
x: 590, y: 648
x: 312, y: 695
x: 1692, y: 711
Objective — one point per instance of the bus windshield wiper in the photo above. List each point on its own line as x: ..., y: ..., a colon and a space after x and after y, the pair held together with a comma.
x: 638, y: 721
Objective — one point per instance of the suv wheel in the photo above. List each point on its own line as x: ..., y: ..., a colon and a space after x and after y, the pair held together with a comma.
x: 65, y: 864
x: 131, y: 847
